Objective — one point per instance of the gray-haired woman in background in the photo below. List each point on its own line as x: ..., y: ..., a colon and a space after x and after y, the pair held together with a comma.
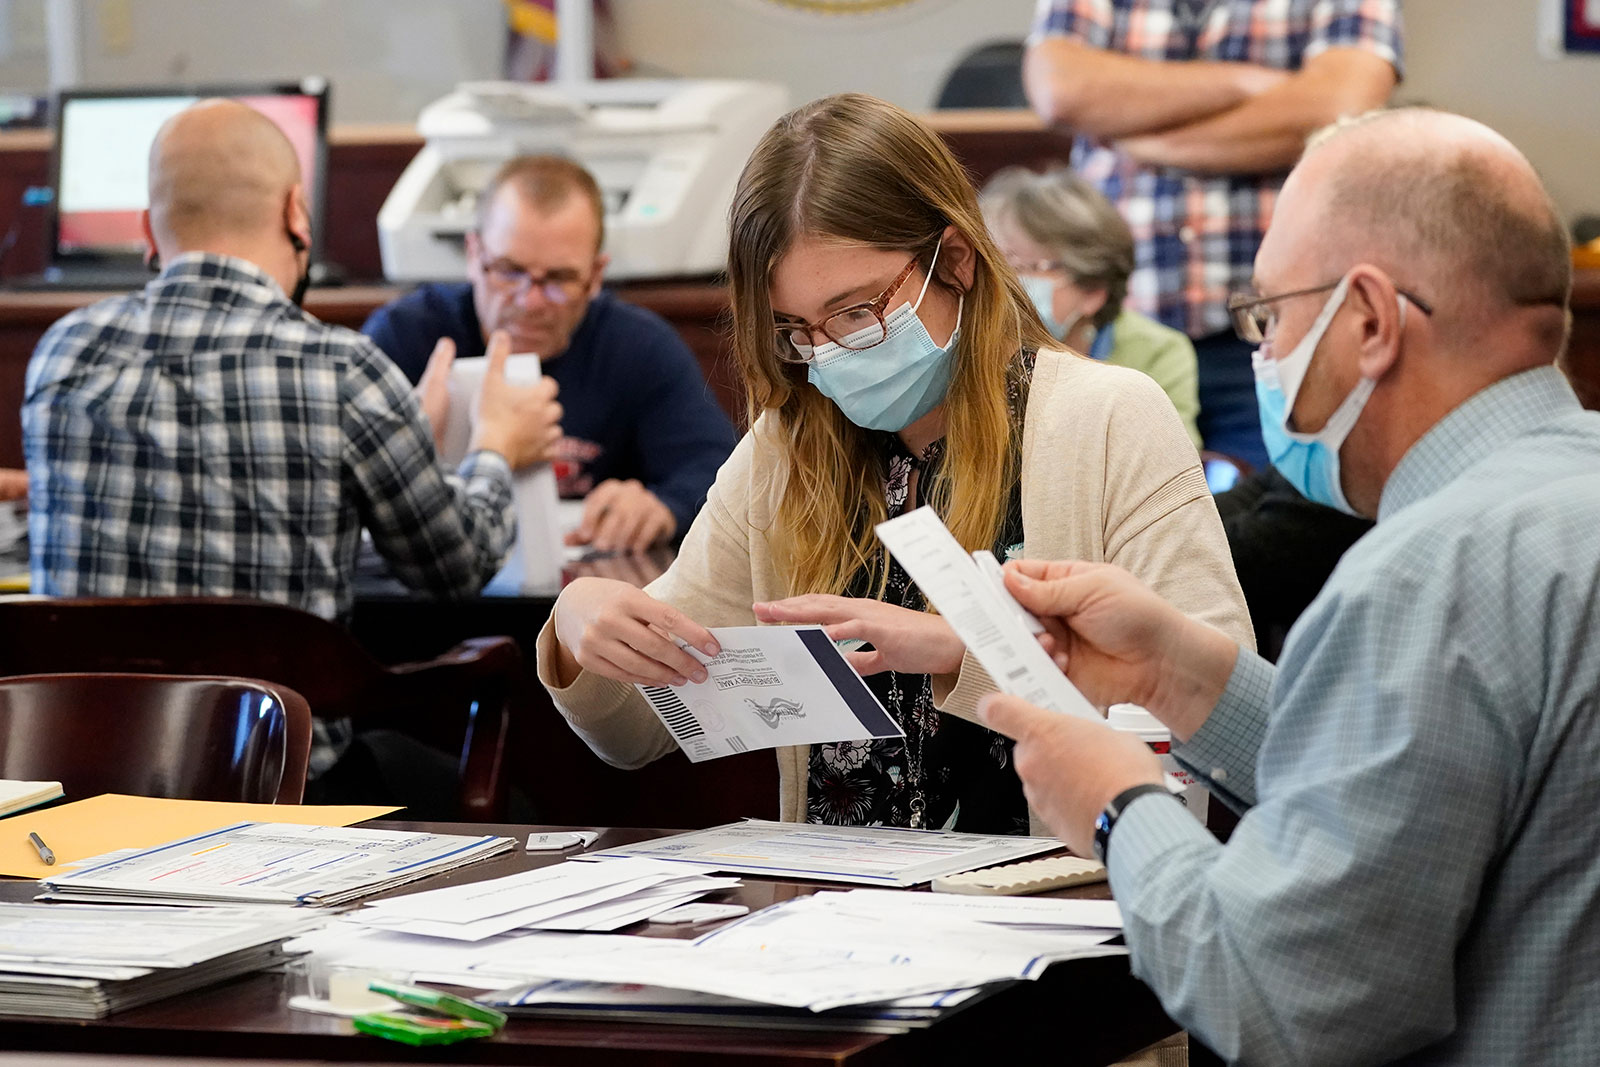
x: 1074, y: 253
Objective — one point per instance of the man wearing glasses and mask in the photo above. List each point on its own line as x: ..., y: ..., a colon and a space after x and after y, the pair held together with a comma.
x: 1414, y: 879
x: 643, y: 437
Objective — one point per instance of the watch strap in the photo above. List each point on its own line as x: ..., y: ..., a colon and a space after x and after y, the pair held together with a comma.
x: 1113, y: 811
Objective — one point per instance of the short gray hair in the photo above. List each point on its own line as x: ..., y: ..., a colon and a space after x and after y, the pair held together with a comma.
x: 1060, y: 210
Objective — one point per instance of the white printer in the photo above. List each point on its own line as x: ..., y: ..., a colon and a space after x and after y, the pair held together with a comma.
x: 666, y: 153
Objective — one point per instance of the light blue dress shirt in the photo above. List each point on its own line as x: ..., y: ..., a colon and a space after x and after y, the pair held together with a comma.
x: 1417, y: 878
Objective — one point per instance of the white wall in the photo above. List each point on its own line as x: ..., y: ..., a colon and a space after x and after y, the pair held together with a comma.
x: 1480, y: 57
x: 902, y: 54
x: 384, y: 58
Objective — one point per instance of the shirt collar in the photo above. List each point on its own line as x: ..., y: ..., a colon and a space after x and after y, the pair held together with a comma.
x: 1104, y: 342
x: 216, y: 278
x: 1488, y: 419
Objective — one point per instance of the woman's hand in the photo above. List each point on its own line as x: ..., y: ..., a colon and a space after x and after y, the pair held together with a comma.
x: 616, y: 630
x: 912, y: 642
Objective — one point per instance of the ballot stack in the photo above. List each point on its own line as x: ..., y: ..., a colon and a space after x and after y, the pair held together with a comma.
x: 85, y: 962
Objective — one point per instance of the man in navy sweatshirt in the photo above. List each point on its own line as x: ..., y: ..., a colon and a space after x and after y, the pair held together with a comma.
x: 643, y: 437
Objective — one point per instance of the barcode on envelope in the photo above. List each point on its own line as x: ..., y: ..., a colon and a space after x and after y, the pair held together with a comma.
x: 674, y: 712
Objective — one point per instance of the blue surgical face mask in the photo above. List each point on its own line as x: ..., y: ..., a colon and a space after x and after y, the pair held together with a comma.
x: 1310, y: 461
x: 895, y: 382
x: 1042, y: 291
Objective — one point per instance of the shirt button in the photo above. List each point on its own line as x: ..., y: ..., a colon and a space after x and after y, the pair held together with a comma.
x: 1219, y: 774
x: 1186, y: 234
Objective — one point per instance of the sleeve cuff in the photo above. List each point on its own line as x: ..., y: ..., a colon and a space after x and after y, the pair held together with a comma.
x: 1150, y: 831
x: 1223, y: 751
x: 485, y: 464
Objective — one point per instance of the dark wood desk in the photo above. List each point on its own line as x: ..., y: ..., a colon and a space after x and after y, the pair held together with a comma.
x: 1079, y: 1012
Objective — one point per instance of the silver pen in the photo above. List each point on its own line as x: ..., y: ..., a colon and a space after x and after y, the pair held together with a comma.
x: 45, y: 855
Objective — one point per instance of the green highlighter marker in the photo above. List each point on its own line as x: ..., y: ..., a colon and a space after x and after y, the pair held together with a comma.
x: 416, y: 1030
x: 442, y: 1003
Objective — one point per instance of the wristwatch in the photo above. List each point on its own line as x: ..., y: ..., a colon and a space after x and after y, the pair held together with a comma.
x: 1108, y: 818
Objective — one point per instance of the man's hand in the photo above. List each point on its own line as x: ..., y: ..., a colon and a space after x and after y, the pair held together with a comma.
x: 521, y: 422
x: 1070, y: 768
x: 623, y: 516
x: 913, y: 642
x: 13, y: 484
x: 433, y: 391
x: 1118, y: 641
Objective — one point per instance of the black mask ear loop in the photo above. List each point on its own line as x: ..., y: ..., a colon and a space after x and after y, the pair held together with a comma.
x: 304, y: 282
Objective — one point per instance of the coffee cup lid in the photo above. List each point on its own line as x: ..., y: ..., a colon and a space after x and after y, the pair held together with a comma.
x: 1134, y: 719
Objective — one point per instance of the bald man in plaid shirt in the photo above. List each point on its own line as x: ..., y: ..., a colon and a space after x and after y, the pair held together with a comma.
x: 1189, y: 113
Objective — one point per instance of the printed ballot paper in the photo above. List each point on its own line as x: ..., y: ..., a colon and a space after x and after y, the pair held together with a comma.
x: 770, y: 686
x: 872, y: 855
x: 975, y: 601
x: 535, y: 561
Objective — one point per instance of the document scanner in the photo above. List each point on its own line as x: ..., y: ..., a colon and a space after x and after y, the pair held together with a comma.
x: 666, y: 154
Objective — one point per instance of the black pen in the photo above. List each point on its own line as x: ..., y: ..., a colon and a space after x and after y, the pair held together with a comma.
x: 45, y: 854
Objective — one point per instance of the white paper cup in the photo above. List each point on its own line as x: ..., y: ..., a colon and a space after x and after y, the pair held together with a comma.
x: 1132, y: 719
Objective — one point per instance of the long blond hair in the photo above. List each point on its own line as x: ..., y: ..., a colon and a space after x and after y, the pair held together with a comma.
x: 856, y: 168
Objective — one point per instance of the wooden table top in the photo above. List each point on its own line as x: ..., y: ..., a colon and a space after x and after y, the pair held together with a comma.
x: 1080, y: 1012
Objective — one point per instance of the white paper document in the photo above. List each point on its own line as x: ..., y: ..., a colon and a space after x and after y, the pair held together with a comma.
x: 770, y: 686
x: 973, y: 952
x: 817, y: 981
x: 274, y: 863
x: 564, y: 896
x: 1040, y: 912
x: 875, y: 855
x: 97, y: 936
x: 986, y: 619
x: 536, y: 559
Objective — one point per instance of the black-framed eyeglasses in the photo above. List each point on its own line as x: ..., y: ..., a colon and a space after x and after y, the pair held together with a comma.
x: 559, y: 286
x: 857, y: 327
x: 1254, y: 318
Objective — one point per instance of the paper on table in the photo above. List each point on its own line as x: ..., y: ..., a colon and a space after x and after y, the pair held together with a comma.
x: 991, y: 629
x: 109, y: 936
x: 777, y: 976
x: 875, y: 855
x: 981, y: 952
x: 278, y: 863
x: 1004, y: 911
x: 112, y: 822
x: 770, y: 686
x: 535, y: 561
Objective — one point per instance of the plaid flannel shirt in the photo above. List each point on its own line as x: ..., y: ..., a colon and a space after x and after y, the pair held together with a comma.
x: 1195, y: 236
x: 206, y: 437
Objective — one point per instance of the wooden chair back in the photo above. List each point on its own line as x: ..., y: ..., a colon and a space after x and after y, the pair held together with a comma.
x: 461, y: 701
x: 191, y: 738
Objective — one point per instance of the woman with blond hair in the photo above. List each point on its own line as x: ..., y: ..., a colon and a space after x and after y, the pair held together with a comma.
x: 891, y: 359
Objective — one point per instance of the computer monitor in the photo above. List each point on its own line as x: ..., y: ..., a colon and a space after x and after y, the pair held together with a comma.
x: 100, y: 167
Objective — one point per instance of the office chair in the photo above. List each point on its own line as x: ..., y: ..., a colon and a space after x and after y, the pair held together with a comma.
x: 191, y: 738
x: 462, y: 701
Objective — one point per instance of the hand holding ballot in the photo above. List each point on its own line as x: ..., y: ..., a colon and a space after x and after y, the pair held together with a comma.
x: 520, y: 421
x: 1117, y: 641
x: 621, y: 632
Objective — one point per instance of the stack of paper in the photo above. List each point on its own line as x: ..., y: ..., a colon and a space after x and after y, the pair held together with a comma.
x: 627, y: 1002
x: 271, y: 863
x: 875, y: 855
x: 18, y: 796
x: 85, y: 962
x: 565, y: 896
x: 832, y: 950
